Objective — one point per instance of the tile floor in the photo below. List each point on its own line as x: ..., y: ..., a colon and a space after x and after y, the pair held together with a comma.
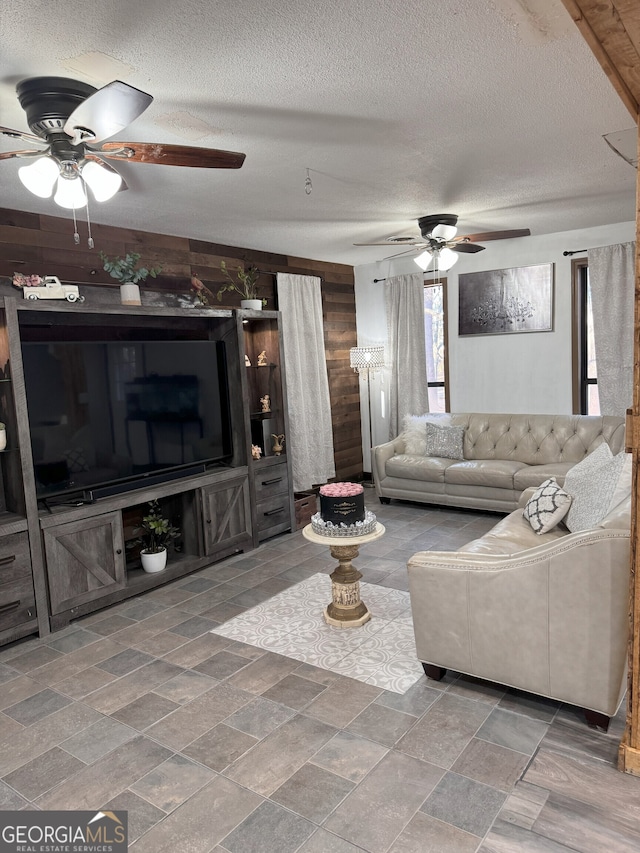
x: 212, y: 744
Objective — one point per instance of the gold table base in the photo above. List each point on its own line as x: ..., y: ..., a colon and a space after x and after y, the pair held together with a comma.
x: 346, y: 610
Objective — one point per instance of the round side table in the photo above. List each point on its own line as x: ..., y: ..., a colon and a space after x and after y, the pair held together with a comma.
x: 346, y: 610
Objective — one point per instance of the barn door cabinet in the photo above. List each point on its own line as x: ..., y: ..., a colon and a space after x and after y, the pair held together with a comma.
x: 92, y: 554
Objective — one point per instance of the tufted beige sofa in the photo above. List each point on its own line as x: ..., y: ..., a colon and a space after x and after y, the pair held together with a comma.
x: 503, y: 455
x: 547, y: 614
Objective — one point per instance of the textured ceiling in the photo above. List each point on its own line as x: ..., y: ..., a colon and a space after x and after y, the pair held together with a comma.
x: 491, y: 109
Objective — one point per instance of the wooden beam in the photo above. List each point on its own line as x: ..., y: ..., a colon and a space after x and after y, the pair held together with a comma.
x: 603, y: 26
x: 629, y: 751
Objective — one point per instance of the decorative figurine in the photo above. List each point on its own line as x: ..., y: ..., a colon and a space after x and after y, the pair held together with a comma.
x: 266, y: 403
x: 262, y: 359
x: 278, y: 444
x: 256, y: 452
x: 46, y: 287
x: 247, y: 361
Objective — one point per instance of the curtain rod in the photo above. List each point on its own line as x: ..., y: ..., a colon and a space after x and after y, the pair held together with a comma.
x: 575, y: 252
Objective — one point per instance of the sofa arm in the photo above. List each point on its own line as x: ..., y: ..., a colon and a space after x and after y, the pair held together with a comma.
x: 526, y: 496
x: 381, y: 454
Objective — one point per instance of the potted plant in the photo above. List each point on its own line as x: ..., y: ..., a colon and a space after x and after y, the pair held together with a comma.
x: 128, y: 273
x: 245, y: 284
x: 158, y: 533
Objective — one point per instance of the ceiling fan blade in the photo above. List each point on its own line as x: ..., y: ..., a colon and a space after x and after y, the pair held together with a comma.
x: 171, y: 155
x: 392, y: 243
x: 410, y: 251
x: 495, y: 235
x: 468, y: 248
x: 18, y: 134
x: 107, y: 111
x: 8, y: 155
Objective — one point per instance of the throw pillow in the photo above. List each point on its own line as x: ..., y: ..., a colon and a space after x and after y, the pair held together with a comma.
x: 592, y: 484
x: 444, y: 441
x: 413, y: 430
x: 547, y: 506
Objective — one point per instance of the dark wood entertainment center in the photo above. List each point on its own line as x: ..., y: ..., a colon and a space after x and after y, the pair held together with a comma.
x: 60, y: 561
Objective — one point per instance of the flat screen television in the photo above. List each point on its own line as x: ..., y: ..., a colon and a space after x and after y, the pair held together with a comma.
x: 106, y: 416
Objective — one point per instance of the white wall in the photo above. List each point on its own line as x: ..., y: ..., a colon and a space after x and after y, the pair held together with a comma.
x: 524, y: 372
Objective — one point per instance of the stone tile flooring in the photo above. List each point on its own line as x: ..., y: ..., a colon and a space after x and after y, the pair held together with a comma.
x: 211, y: 744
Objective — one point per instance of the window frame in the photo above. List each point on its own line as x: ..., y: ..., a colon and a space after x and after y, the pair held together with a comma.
x: 442, y: 282
x: 580, y: 380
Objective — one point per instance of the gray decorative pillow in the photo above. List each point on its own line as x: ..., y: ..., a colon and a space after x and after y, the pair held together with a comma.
x: 444, y: 441
x: 592, y: 484
x: 547, y: 506
x: 413, y: 430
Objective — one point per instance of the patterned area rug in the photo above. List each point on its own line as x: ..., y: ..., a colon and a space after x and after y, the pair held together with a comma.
x: 380, y: 652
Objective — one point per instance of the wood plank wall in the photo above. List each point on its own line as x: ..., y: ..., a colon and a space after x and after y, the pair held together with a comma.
x: 41, y: 244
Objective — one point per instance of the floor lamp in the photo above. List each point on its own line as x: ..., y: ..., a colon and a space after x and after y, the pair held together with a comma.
x: 367, y: 359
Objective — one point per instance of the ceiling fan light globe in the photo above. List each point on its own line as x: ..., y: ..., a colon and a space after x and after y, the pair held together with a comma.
x: 70, y: 193
x: 40, y: 176
x: 444, y: 232
x: 446, y: 259
x: 103, y: 183
x: 423, y: 260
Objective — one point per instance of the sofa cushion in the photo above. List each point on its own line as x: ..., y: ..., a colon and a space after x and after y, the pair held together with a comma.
x: 535, y: 475
x: 498, y: 473
x: 592, y: 484
x: 510, y: 535
x: 444, y: 441
x: 428, y: 468
x: 547, y: 506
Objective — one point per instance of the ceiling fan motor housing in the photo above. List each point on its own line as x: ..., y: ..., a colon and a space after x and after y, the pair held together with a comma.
x: 428, y: 223
x: 49, y: 101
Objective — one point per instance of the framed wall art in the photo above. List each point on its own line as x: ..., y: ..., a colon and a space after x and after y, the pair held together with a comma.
x: 498, y: 302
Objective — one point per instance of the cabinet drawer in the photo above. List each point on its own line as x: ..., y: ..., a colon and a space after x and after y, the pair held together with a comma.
x: 17, y: 602
x: 271, y: 481
x: 15, y: 559
x: 274, y: 512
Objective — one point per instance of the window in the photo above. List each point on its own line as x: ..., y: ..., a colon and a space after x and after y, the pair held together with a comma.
x: 585, y: 373
x: 435, y: 331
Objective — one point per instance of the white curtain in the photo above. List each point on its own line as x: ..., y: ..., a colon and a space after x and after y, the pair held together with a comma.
x: 406, y: 350
x: 612, y: 279
x: 310, y: 442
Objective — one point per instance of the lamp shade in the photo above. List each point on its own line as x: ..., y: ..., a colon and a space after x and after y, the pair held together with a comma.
x: 447, y: 258
x: 40, y: 176
x: 102, y: 182
x: 70, y: 193
x: 423, y: 260
x: 444, y: 232
x: 366, y: 358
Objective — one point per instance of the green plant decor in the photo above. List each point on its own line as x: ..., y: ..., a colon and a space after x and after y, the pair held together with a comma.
x: 157, y: 531
x: 126, y: 270
x: 244, y: 282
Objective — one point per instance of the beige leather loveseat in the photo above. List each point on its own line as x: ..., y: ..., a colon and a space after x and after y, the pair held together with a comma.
x: 503, y: 455
x: 547, y: 614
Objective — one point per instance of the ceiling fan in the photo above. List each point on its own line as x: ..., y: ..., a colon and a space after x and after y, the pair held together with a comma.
x: 71, y: 120
x: 441, y: 241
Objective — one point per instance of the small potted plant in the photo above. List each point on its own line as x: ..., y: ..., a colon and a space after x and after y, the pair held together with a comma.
x: 128, y: 273
x: 245, y: 284
x: 157, y: 535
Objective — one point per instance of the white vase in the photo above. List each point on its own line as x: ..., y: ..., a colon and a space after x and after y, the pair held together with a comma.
x: 3, y: 438
x: 153, y: 562
x: 251, y: 304
x: 130, y: 294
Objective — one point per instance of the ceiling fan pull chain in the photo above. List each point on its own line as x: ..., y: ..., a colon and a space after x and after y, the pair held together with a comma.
x: 308, y: 186
x: 90, y: 242
x: 76, y: 236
